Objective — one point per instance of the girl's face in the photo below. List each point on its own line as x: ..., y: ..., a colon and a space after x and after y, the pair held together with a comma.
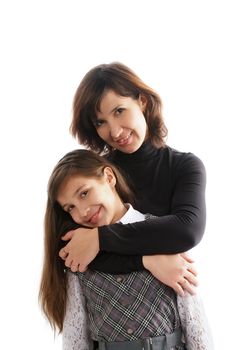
x: 121, y: 123
x: 91, y: 201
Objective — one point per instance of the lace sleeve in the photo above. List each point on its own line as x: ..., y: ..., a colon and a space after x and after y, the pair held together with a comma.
x: 194, y: 323
x: 75, y: 329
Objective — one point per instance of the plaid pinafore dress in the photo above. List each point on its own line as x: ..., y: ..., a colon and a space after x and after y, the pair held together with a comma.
x: 128, y: 307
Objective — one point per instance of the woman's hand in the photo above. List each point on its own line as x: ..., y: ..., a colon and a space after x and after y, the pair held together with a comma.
x: 176, y: 271
x: 81, y: 250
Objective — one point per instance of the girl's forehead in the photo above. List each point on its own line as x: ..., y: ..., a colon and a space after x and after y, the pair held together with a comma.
x: 77, y: 182
x: 84, y: 178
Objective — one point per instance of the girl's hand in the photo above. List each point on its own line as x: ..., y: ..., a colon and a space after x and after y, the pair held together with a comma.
x: 176, y: 271
x: 81, y: 250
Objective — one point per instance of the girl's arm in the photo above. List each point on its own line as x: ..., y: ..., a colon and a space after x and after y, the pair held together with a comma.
x: 75, y: 330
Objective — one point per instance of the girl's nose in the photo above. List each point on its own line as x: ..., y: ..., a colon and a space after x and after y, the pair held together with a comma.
x: 83, y: 211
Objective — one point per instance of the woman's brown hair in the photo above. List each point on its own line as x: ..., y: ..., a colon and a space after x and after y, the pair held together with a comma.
x: 57, y: 222
x: 123, y: 81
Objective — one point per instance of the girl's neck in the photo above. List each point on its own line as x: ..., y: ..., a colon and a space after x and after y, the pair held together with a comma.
x: 122, y: 209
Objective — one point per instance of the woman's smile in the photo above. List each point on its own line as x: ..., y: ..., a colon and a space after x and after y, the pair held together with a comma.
x: 124, y: 141
x: 121, y: 122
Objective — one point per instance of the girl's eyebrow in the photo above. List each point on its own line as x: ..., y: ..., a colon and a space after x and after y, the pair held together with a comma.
x: 78, y: 190
x: 74, y: 194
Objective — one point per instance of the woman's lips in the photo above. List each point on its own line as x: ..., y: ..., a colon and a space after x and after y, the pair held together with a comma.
x: 125, y: 140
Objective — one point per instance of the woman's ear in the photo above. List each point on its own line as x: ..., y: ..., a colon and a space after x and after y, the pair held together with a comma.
x: 142, y: 102
x: 109, y: 176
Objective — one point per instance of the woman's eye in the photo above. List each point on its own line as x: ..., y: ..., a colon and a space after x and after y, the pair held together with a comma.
x: 119, y: 111
x: 84, y: 194
x: 98, y: 123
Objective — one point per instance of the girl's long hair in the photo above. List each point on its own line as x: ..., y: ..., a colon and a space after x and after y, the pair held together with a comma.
x: 57, y: 222
x: 124, y: 82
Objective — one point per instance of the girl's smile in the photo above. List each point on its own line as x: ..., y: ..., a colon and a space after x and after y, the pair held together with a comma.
x: 91, y: 201
x: 94, y: 219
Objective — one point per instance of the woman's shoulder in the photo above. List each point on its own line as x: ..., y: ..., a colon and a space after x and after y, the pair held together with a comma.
x: 185, y: 162
x: 181, y: 157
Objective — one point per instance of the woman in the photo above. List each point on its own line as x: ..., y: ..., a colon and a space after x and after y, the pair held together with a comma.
x: 116, y: 114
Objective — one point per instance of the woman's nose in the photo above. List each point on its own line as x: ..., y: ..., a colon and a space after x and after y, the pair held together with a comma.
x: 115, y: 131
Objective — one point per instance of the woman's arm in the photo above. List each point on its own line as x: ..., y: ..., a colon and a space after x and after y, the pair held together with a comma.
x: 75, y: 330
x: 176, y: 232
x: 116, y: 263
x: 104, y: 262
x: 176, y: 271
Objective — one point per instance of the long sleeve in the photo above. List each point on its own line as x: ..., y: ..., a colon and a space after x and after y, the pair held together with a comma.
x: 104, y: 262
x: 116, y: 263
x: 194, y: 323
x: 168, y: 184
x: 75, y: 329
x: 176, y: 195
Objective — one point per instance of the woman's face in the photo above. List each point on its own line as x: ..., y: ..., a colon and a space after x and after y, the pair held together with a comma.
x: 121, y: 123
x: 91, y: 201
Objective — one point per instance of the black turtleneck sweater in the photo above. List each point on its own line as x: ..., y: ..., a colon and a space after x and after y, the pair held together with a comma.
x: 168, y: 184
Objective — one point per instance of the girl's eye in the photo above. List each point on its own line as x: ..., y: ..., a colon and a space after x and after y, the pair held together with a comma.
x: 98, y: 123
x: 84, y: 194
x: 70, y: 208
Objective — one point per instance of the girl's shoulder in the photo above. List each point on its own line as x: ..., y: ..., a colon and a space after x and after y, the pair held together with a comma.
x: 149, y: 216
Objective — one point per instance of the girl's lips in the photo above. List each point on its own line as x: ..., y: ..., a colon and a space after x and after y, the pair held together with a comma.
x: 94, y: 218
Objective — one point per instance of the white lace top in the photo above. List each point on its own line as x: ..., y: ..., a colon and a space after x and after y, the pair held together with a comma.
x: 194, y: 323
x: 75, y: 331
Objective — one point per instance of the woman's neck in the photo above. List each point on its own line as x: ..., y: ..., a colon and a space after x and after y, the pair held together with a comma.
x: 146, y: 151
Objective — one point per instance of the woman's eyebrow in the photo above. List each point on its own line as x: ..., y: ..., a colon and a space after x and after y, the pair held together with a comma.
x: 114, y: 109
x: 111, y: 111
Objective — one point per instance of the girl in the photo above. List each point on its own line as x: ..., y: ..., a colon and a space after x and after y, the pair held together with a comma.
x: 132, y: 311
x: 115, y: 113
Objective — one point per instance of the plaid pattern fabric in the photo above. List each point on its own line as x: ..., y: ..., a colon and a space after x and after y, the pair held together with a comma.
x: 128, y: 307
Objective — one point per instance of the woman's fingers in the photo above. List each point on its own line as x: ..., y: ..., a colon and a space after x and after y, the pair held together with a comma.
x: 63, y: 254
x: 178, y: 289
x: 68, y: 235
x: 188, y: 287
x: 189, y: 281
x: 187, y: 257
x: 191, y: 268
x: 191, y: 278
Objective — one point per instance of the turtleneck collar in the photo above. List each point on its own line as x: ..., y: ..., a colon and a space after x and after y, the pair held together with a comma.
x: 146, y: 151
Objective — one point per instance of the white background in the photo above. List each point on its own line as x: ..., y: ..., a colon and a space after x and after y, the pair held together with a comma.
x: 182, y: 49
